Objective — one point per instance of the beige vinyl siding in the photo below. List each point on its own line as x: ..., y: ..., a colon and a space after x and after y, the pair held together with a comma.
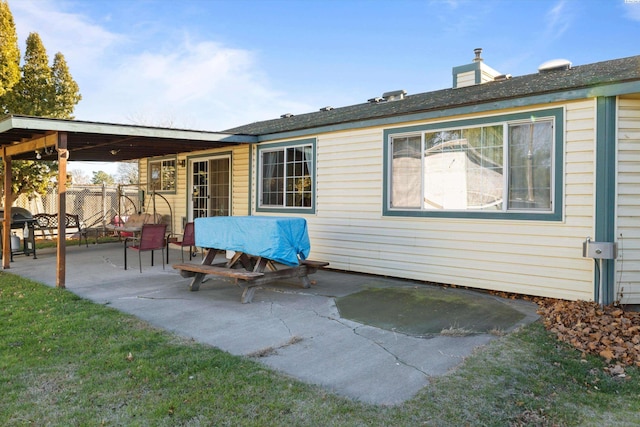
x: 487, y: 73
x: 161, y: 206
x: 239, y: 182
x: 179, y: 206
x: 466, y: 79
x: 528, y: 257
x: 349, y: 174
x: 627, y: 278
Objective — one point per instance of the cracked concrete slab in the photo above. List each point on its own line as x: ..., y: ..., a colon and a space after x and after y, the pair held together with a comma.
x: 293, y: 330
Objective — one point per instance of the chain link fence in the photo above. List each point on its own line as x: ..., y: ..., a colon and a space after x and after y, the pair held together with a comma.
x: 96, y: 205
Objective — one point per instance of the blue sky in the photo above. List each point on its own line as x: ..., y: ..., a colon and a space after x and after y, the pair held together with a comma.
x: 216, y: 64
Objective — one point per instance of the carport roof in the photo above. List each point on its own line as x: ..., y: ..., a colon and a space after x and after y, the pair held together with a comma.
x: 107, y: 142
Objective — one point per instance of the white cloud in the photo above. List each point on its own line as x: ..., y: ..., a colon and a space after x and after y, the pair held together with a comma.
x: 81, y: 42
x: 559, y: 19
x: 203, y: 85
x: 633, y: 11
x: 453, y: 4
x: 178, y: 82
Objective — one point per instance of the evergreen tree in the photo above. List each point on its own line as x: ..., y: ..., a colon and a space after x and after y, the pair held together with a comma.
x: 67, y: 93
x: 9, y: 51
x: 39, y: 90
x: 34, y: 94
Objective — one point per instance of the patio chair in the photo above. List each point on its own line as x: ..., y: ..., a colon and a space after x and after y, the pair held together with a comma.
x: 152, y: 237
x: 188, y: 239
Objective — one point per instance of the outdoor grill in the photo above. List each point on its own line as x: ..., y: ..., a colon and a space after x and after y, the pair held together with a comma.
x: 21, y: 219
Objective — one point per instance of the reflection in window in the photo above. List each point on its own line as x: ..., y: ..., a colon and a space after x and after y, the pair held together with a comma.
x: 162, y: 175
x: 286, y: 177
x: 530, y: 147
x: 407, y: 172
x: 464, y: 169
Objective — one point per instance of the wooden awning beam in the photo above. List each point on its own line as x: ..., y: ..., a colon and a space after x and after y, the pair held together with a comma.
x: 25, y: 146
x: 57, y: 140
x: 61, y: 249
x: 6, y: 229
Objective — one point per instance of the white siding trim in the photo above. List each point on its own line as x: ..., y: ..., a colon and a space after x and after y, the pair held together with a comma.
x: 627, y: 277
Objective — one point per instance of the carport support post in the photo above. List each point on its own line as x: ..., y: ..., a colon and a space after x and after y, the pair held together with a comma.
x: 63, y: 155
x: 6, y: 230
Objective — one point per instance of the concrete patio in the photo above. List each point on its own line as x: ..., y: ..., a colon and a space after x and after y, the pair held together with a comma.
x: 296, y: 331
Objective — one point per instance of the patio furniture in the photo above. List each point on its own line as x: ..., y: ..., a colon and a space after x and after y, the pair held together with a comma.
x: 188, y: 239
x: 266, y: 249
x: 47, y: 224
x: 21, y: 219
x: 128, y: 226
x: 152, y: 238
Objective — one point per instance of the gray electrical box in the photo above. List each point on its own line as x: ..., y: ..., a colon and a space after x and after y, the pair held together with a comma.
x: 599, y: 250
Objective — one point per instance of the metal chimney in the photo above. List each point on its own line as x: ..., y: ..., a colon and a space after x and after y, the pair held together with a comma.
x: 477, y: 51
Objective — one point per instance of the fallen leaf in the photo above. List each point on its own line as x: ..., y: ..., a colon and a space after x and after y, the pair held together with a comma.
x: 607, y: 354
x: 607, y: 331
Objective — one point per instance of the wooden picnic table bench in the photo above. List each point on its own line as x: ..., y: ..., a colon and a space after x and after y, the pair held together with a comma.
x: 266, y: 249
x: 249, y: 273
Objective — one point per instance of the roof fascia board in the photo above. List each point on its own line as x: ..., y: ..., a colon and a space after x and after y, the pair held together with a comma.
x: 6, y: 124
x: 571, y: 95
x: 45, y: 124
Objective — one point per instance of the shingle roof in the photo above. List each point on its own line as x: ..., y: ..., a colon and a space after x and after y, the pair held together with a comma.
x: 579, y: 77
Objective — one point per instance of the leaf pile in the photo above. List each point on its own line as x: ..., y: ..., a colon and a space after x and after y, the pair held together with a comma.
x: 608, y: 331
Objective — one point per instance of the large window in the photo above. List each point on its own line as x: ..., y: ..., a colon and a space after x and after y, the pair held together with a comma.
x: 286, y: 176
x: 162, y: 175
x: 501, y: 166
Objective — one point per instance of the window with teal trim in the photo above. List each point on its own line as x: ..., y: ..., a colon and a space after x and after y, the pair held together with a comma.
x: 286, y: 175
x: 162, y: 175
x: 530, y: 159
x: 487, y: 166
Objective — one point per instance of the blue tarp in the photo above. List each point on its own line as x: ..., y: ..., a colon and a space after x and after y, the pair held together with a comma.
x: 281, y: 239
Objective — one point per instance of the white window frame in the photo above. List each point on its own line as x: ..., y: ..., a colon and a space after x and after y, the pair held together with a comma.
x: 555, y: 116
x: 283, y: 147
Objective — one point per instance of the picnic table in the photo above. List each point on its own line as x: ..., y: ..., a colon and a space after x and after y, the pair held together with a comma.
x: 265, y: 250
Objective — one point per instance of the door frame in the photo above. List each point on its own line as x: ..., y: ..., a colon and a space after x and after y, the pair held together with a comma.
x: 189, y: 187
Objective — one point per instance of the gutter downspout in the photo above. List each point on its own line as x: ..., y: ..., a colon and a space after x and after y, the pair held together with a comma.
x: 605, y: 189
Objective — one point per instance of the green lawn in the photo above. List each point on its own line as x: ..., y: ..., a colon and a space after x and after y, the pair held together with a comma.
x: 66, y: 361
